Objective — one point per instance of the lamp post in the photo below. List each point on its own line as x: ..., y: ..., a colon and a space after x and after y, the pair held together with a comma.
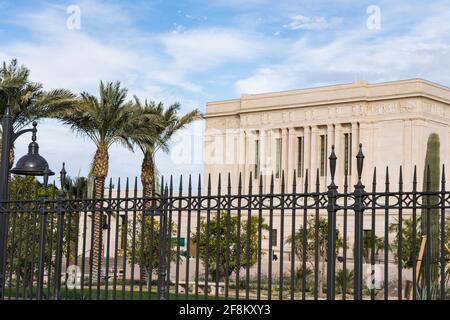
x: 32, y: 164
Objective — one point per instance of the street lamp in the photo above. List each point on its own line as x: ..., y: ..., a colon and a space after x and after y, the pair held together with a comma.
x: 32, y: 164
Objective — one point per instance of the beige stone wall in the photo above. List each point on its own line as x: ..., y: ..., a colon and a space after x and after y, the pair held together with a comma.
x: 392, y: 121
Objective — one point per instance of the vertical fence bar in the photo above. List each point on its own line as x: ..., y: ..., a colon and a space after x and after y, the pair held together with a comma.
x: 125, y: 240
x: 68, y: 234
x: 133, y: 238
x: 188, y: 237
x: 280, y: 290
x: 260, y: 206
x: 143, y: 224
x: 108, y: 239
x: 169, y: 233
x: 35, y: 212
x: 247, y: 244
x: 414, y: 235
x: 270, y: 257
x: 304, y: 235
x: 80, y: 194
x: 238, y: 236
x: 116, y: 241
x: 294, y: 205
x: 386, y: 237
x: 331, y: 248
x: 151, y: 212
x: 83, y: 250
x: 428, y: 235
x: 316, y: 237
x: 197, y: 244
x: 442, y: 236
x: 27, y: 241
x: 344, y: 232
x: 162, y: 285
x: 373, y: 235
x: 359, y: 211
x: 91, y: 241
x: 59, y: 236
x: 177, y: 265
x: 228, y: 235
x: 42, y: 240
x: 208, y: 219
x: 19, y: 254
x: 98, y: 277
x: 218, y: 235
x: 13, y: 214
x: 400, y: 236
x: 160, y: 214
x: 50, y: 245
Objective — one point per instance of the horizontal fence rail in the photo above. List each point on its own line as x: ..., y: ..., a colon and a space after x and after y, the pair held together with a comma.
x: 235, y: 240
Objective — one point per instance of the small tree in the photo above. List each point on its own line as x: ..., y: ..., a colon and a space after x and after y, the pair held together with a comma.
x: 146, y: 233
x: 367, y: 245
x: 407, y: 241
x: 22, y: 245
x: 322, y: 243
x: 228, y: 227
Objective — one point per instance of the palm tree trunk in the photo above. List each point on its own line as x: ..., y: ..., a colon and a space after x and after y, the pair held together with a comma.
x: 100, y: 172
x: 11, y: 154
x: 147, y: 173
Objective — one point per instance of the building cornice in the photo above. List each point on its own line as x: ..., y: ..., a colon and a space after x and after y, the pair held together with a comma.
x: 359, y: 91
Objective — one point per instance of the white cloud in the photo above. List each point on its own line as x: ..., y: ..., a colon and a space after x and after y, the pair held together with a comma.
x: 264, y: 80
x: 419, y: 50
x: 310, y: 23
x: 200, y: 49
x: 79, y: 59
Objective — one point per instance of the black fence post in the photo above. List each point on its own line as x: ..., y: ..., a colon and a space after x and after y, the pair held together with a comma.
x: 42, y: 240
x: 332, y: 208
x: 162, y: 287
x: 59, y: 237
x: 359, y: 210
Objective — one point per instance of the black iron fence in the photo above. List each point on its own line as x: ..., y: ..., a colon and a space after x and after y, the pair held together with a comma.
x: 212, y: 243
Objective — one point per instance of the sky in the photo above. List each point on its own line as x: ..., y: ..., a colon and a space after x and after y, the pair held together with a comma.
x: 193, y: 52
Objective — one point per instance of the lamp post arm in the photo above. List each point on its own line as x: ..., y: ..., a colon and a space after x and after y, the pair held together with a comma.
x: 15, y: 135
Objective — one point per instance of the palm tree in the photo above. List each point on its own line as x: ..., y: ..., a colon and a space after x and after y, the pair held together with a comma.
x: 170, y: 122
x: 105, y: 120
x: 28, y: 100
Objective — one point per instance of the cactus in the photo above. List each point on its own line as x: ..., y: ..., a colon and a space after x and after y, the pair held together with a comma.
x: 431, y: 183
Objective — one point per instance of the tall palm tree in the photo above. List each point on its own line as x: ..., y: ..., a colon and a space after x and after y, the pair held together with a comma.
x: 105, y: 120
x: 28, y: 100
x: 171, y: 122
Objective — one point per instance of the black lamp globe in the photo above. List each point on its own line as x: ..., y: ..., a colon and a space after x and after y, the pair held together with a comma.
x: 32, y: 164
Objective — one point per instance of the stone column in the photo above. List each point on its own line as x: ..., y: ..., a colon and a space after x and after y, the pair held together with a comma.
x: 339, y: 150
x: 366, y: 138
x: 250, y: 137
x: 292, y: 157
x: 243, y: 158
x: 285, y: 153
x: 407, y: 152
x: 314, y: 155
x: 307, y: 154
x: 330, y: 142
x: 263, y: 153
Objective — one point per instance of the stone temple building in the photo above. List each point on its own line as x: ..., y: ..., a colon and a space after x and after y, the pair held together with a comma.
x: 272, y: 133
x: 294, y: 130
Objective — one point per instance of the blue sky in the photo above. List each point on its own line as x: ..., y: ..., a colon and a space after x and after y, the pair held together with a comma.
x: 199, y: 51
